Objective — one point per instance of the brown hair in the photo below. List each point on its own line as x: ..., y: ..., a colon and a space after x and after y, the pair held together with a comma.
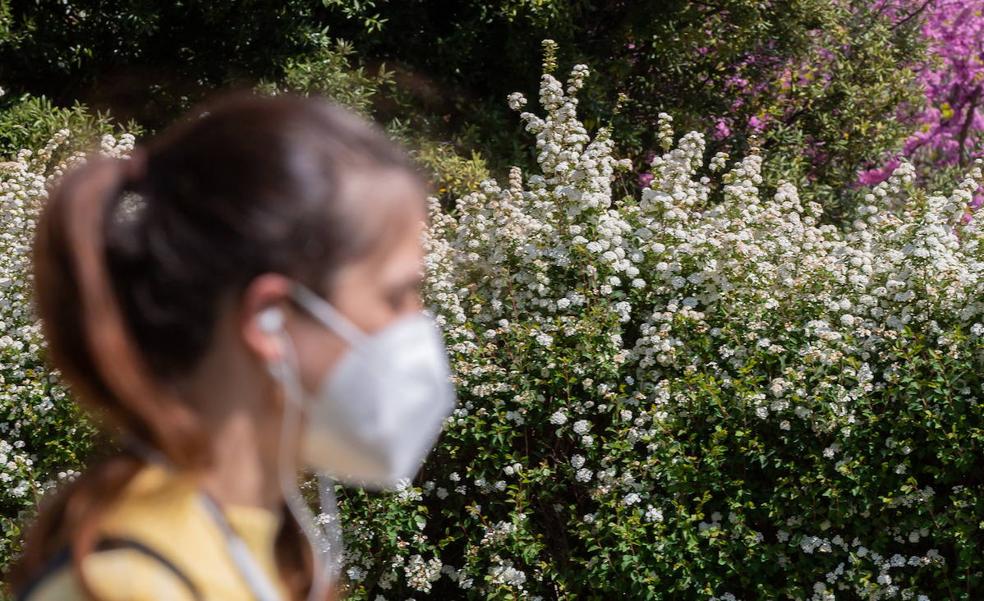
x: 129, y: 295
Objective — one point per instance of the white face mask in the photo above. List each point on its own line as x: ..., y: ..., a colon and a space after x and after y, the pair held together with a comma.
x: 378, y: 412
x: 371, y: 422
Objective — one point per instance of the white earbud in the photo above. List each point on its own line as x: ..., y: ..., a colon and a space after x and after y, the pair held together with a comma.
x: 271, y: 320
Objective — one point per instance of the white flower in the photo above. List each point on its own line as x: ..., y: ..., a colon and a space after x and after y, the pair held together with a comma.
x: 421, y: 574
x: 505, y: 574
x: 516, y: 101
x: 582, y: 426
x: 355, y: 573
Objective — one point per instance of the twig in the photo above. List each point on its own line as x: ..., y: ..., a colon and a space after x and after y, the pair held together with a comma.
x: 911, y: 15
x: 968, y: 119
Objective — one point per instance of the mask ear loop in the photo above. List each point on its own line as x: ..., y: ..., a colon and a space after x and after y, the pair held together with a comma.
x: 331, y: 526
x: 326, y: 544
x: 328, y: 315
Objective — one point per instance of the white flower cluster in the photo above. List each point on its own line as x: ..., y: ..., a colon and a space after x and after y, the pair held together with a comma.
x: 503, y: 573
x: 31, y: 398
x: 420, y: 574
x: 549, y: 277
x: 864, y: 565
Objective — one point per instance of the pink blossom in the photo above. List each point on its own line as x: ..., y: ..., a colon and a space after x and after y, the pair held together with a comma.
x: 873, y: 177
x: 950, y: 129
x: 721, y: 129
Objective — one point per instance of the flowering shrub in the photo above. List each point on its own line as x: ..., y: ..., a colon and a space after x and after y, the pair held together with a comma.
x: 44, y: 437
x: 698, y: 393
x: 824, y: 86
x: 943, y: 123
x: 30, y: 122
x: 952, y: 77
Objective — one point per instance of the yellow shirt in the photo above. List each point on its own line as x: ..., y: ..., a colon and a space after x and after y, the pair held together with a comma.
x: 162, y: 510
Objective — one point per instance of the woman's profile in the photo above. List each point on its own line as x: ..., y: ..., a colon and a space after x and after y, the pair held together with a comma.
x: 238, y: 301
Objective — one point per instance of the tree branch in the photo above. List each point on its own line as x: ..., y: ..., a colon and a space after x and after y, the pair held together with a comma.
x: 968, y: 119
x: 912, y: 15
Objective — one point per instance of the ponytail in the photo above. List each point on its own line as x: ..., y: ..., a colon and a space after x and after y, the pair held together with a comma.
x: 70, y: 249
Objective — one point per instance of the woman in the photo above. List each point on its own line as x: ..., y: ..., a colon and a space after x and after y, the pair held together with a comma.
x: 237, y: 301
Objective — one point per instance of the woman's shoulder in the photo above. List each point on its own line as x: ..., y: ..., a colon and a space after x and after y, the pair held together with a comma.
x: 117, y: 574
x: 158, y: 536
x: 143, y: 546
x: 157, y: 506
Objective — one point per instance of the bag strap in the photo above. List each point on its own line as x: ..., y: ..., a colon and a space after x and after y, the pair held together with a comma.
x: 62, y: 558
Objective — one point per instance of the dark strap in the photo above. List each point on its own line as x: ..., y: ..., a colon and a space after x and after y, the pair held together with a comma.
x: 62, y: 558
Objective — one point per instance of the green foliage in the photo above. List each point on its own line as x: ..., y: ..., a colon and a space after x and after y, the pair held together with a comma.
x: 453, y: 175
x: 360, y: 11
x: 144, y: 59
x: 5, y: 21
x: 328, y: 71
x: 30, y: 122
x: 846, y: 64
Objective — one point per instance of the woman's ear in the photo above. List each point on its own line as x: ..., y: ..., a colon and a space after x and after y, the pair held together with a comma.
x: 263, y: 318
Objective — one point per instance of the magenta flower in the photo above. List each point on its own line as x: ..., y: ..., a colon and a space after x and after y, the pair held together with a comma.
x: 873, y: 177
x: 721, y: 129
x: 951, y: 126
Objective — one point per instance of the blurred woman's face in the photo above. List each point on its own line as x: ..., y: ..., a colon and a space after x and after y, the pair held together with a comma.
x: 379, y: 288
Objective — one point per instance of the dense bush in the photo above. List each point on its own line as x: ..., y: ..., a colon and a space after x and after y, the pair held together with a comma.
x: 700, y: 392
x: 30, y: 122
x: 951, y: 122
x: 145, y: 59
x: 827, y: 78
x: 328, y: 70
x: 44, y: 436
x: 819, y: 82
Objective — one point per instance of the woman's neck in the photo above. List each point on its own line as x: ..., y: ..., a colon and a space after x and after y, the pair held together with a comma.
x: 242, y: 471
